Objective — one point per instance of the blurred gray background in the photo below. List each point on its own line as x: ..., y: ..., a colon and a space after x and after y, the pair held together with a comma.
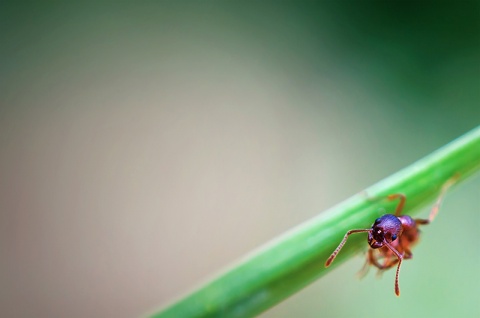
x: 145, y: 148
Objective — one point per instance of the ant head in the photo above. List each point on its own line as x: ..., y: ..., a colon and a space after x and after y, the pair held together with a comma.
x: 385, y: 229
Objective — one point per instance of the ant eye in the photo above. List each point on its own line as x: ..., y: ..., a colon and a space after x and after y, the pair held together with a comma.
x: 394, y: 237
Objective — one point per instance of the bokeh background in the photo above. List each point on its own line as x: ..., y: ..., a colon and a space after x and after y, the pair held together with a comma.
x: 144, y: 148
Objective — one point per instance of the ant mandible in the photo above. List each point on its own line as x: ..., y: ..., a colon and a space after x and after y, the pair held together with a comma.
x: 393, y: 235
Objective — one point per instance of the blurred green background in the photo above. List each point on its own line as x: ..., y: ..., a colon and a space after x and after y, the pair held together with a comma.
x: 146, y: 147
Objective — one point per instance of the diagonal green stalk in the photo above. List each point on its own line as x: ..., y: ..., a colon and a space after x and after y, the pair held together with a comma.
x: 295, y: 259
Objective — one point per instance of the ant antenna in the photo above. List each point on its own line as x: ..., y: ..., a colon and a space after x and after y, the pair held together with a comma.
x: 400, y: 258
x: 334, y: 254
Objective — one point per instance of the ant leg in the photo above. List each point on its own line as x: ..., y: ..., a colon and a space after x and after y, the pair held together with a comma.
x: 391, y: 197
x: 389, y: 260
x: 422, y: 221
x: 387, y: 263
x: 401, y: 203
x: 407, y: 254
x: 334, y: 254
x: 443, y: 191
x: 437, y: 204
x: 376, y: 263
x: 366, y: 266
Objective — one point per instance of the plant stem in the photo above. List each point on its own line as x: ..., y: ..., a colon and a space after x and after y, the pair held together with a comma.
x: 296, y: 258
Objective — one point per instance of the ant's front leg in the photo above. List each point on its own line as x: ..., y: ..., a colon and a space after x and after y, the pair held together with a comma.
x: 389, y: 259
x: 372, y: 260
x: 366, y: 266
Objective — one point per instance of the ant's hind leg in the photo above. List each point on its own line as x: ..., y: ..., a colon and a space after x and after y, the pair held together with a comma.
x: 443, y: 191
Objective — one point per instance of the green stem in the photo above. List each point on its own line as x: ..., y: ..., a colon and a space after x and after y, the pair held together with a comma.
x: 295, y: 259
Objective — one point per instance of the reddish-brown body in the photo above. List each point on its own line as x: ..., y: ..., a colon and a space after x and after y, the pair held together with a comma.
x: 409, y: 235
x: 392, y: 236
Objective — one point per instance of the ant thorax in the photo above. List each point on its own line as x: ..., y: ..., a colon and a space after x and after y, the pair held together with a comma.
x: 410, y: 229
x: 407, y: 221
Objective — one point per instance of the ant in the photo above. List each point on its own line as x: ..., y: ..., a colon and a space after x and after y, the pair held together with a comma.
x: 393, y: 235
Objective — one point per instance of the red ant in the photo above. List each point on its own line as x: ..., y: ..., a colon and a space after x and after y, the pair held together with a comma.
x: 393, y: 235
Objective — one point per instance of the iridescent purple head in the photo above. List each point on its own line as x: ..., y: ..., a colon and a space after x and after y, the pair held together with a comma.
x: 386, y: 228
